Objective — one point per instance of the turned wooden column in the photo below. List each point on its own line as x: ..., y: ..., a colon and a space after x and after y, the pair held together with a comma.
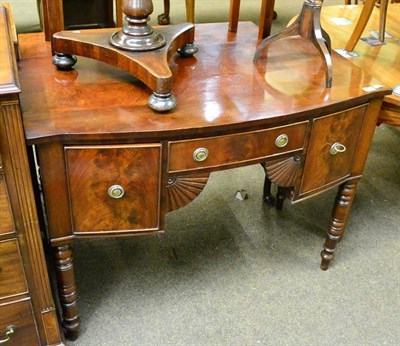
x: 66, y: 285
x: 341, y: 210
x: 136, y: 34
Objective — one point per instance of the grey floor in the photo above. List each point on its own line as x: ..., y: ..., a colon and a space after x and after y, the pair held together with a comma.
x: 230, y: 272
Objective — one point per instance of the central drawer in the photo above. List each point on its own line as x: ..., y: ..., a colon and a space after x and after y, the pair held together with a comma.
x: 114, y: 188
x: 227, y: 150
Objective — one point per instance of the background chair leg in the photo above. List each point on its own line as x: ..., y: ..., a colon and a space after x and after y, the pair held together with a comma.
x: 190, y: 10
x: 163, y: 18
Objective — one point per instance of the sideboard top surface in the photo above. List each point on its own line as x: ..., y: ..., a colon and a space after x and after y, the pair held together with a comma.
x: 219, y: 90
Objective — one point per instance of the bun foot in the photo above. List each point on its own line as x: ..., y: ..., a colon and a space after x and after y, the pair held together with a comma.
x: 327, y: 258
x: 64, y: 62
x: 188, y: 50
x: 162, y: 102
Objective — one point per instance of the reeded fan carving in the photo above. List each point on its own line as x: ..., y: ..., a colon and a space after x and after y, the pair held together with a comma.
x: 183, y: 190
x: 283, y: 172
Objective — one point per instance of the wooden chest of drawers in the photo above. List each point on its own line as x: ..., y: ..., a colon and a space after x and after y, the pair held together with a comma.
x: 27, y: 310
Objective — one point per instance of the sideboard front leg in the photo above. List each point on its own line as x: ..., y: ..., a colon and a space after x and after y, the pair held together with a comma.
x: 66, y: 285
x: 341, y: 209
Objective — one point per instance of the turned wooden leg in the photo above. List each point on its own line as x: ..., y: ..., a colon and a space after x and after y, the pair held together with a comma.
x: 341, y: 209
x: 63, y: 262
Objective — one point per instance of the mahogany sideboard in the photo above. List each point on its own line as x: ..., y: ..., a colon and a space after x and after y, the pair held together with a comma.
x: 110, y: 166
x: 27, y: 311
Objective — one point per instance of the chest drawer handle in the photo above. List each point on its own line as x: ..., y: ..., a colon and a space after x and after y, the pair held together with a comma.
x: 200, y: 154
x: 116, y: 191
x: 282, y: 141
x: 337, y: 148
x: 10, y: 330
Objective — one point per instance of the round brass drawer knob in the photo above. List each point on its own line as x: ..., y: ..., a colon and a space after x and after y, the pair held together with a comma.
x: 200, y: 154
x: 116, y: 191
x: 337, y: 148
x: 282, y: 141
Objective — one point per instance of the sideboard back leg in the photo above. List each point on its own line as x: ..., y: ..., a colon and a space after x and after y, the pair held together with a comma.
x: 267, y: 195
x: 64, y: 267
x: 280, y: 197
x: 341, y: 209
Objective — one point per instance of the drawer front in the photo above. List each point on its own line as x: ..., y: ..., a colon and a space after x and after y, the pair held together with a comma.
x: 12, y: 276
x: 114, y: 188
x: 333, y: 143
x: 7, y: 222
x: 237, y: 148
x: 17, y: 324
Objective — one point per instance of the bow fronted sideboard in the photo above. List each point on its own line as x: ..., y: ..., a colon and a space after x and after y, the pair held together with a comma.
x: 110, y: 166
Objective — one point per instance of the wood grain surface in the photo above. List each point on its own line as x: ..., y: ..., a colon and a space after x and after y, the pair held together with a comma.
x: 219, y: 89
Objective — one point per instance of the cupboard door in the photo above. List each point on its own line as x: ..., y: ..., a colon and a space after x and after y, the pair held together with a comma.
x: 333, y: 143
x: 114, y: 188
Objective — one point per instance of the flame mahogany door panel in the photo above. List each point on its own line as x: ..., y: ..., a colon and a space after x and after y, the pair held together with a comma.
x: 113, y: 188
x: 323, y: 168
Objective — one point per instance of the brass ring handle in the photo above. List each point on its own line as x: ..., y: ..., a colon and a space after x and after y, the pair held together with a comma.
x: 200, y: 154
x: 282, y: 141
x: 116, y: 191
x: 337, y: 148
x: 10, y: 330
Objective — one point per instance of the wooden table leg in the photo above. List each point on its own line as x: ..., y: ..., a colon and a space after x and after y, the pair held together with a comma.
x: 163, y: 18
x: 382, y: 19
x: 118, y: 13
x: 190, y: 10
x: 266, y: 18
x: 234, y: 9
x: 53, y: 17
x: 341, y: 209
x: 64, y: 266
x: 361, y: 24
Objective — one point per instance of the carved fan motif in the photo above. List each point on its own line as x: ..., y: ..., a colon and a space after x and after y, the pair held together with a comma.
x: 283, y: 172
x: 183, y: 190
